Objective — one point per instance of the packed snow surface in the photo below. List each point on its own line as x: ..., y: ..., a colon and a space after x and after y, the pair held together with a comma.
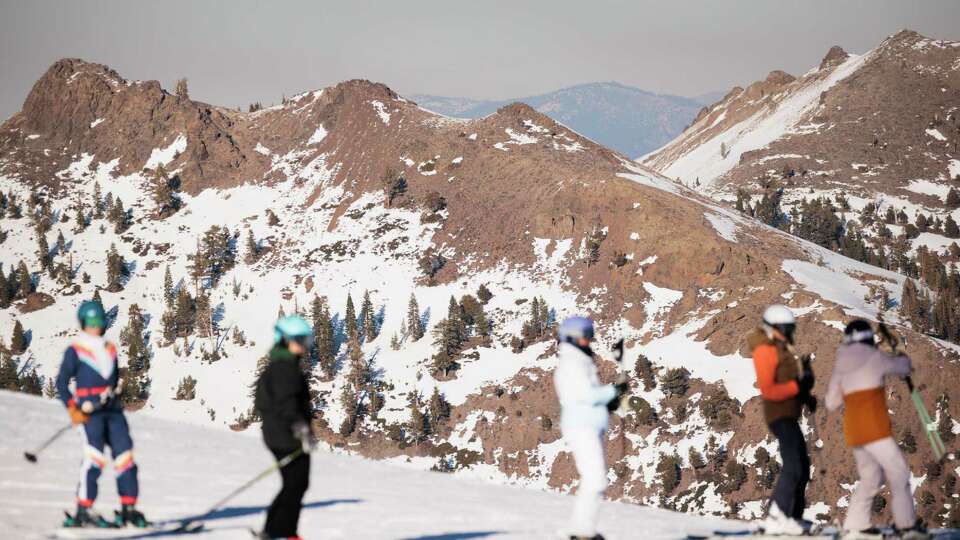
x: 185, y: 468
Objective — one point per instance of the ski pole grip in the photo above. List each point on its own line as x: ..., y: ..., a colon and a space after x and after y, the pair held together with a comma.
x: 909, y: 381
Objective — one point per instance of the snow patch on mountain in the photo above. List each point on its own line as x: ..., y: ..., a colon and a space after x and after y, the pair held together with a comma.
x: 163, y: 156
x: 317, y: 136
x: 721, y: 152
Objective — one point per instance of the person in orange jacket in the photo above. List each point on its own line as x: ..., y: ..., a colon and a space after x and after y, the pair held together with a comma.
x: 785, y: 383
x: 857, y: 385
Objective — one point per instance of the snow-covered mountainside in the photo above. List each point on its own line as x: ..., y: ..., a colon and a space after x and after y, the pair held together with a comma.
x: 626, y: 119
x: 349, y: 497
x: 880, y: 126
x: 497, y: 227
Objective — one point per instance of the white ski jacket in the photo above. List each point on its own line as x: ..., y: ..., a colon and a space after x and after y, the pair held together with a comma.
x: 583, y: 400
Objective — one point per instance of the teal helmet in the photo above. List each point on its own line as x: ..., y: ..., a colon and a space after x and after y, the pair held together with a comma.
x: 292, y: 328
x: 91, y: 314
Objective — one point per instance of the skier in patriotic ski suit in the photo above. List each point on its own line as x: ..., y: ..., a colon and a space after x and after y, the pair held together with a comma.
x: 857, y: 385
x: 283, y: 401
x: 95, y: 408
x: 785, y: 386
x: 585, y: 406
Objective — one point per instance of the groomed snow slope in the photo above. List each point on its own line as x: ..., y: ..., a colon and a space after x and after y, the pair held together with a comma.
x: 183, y: 468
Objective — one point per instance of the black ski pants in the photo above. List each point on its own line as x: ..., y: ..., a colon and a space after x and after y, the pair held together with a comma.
x: 284, y: 512
x: 790, y: 492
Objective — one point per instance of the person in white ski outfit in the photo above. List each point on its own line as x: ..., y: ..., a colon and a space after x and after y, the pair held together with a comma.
x: 857, y: 385
x: 584, y: 406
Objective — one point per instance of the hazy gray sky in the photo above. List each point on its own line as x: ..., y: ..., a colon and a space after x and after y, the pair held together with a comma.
x: 235, y: 52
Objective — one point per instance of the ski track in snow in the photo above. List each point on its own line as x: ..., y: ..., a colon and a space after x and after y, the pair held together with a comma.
x: 184, y: 469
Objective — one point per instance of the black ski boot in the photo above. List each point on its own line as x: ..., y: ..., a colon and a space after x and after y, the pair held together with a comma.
x: 130, y: 516
x: 85, y: 518
x: 917, y: 532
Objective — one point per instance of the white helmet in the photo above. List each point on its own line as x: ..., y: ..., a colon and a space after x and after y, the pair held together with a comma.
x: 778, y: 314
x: 779, y: 317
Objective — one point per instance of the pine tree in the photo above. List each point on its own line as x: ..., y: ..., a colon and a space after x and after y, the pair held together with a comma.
x: 675, y: 382
x: 185, y: 313
x: 97, y: 201
x: 198, y: 266
x: 5, y: 295
x: 348, y: 401
x: 43, y: 251
x: 186, y: 389
x: 134, y: 343
x: 182, y: 93
x: 252, y: 249
x: 696, y: 459
x: 163, y: 193
x: 368, y: 319
x: 25, y: 282
x: 482, y: 324
x: 168, y: 295
x: 31, y: 382
x: 456, y: 331
x: 50, y: 389
x: 168, y: 324
x: 350, y: 320
x: 323, y: 337
x: 484, y: 294
x: 118, y: 216
x: 414, y: 323
x: 359, y: 374
x: 418, y: 425
x: 18, y: 341
x: 80, y: 218
x: 61, y: 243
x: 116, y: 269
x: 217, y: 254
x: 439, y: 409
x: 950, y: 229
x: 644, y: 370
x: 9, y: 378
x: 953, y: 199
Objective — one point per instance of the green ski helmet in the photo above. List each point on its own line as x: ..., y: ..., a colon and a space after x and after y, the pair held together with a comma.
x: 91, y: 314
x: 292, y: 328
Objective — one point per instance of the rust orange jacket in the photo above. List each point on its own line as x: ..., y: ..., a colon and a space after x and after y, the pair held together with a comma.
x: 777, y: 370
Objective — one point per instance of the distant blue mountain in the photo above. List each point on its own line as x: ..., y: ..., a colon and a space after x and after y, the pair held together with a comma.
x: 629, y: 120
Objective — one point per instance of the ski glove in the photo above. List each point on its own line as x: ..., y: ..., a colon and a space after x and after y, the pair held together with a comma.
x: 301, y: 430
x: 77, y: 416
x: 622, y: 388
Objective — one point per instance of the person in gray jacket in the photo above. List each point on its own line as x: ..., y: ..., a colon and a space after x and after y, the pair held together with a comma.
x: 857, y: 385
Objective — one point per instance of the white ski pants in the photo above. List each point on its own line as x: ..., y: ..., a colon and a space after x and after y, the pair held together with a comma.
x: 878, y: 462
x: 587, y: 448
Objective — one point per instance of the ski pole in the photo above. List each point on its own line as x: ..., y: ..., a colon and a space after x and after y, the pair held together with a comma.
x: 929, y: 427
x: 281, y: 463
x: 32, y: 456
x: 621, y: 377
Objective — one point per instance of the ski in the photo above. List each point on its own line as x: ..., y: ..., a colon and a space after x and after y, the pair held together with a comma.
x: 716, y: 535
x: 109, y: 533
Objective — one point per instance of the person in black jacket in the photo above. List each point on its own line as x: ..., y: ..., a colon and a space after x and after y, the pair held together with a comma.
x: 283, y: 400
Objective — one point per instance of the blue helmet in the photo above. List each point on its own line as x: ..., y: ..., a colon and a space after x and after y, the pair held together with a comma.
x: 574, y: 328
x: 292, y: 328
x: 91, y: 314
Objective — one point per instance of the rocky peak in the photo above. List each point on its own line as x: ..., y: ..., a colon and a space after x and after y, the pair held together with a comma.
x: 780, y: 77
x: 835, y: 56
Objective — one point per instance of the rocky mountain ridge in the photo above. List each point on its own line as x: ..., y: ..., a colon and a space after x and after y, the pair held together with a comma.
x: 353, y: 189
